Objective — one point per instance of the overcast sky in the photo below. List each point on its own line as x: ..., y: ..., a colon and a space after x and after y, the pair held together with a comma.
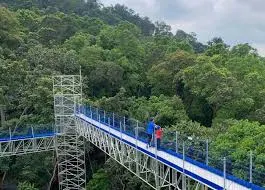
x: 236, y: 21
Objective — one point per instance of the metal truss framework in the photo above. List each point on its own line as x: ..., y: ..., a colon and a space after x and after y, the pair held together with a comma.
x: 26, y: 146
x: 150, y: 170
x: 67, y: 90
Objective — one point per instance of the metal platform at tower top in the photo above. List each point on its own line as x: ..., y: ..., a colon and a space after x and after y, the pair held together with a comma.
x: 124, y: 140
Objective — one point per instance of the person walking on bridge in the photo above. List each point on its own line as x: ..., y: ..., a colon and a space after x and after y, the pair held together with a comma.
x: 150, y: 131
x: 158, y: 133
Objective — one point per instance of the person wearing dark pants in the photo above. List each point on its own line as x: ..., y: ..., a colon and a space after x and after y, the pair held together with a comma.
x: 158, y: 134
x: 149, y: 140
x: 150, y: 131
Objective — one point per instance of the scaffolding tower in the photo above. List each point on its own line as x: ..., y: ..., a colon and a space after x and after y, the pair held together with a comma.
x: 70, y: 150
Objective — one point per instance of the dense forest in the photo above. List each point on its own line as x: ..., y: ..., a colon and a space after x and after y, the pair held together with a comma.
x: 130, y: 66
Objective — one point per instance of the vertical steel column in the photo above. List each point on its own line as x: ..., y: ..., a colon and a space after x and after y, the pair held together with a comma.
x: 189, y: 186
x: 70, y: 151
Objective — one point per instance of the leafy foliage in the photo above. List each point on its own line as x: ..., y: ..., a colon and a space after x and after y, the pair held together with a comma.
x: 99, y: 181
x: 26, y: 186
x: 236, y: 144
x: 132, y: 67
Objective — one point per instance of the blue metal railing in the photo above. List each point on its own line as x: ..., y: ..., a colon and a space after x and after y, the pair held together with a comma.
x: 27, y: 131
x: 195, y: 150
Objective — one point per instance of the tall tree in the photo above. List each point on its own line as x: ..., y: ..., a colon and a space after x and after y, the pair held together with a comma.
x: 10, y: 36
x: 163, y: 77
x: 217, y: 46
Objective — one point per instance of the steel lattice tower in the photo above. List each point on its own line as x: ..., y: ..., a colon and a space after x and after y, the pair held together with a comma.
x: 67, y: 91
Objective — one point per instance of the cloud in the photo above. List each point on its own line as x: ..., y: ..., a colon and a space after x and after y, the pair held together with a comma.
x: 236, y: 21
x: 143, y: 7
x: 260, y: 48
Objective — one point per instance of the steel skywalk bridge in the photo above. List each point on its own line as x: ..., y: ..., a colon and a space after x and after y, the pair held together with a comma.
x: 120, y: 138
x: 25, y: 144
x: 126, y: 144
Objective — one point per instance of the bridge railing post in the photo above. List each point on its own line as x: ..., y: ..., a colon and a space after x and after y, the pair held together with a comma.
x: 156, y: 164
x: 207, y: 152
x: 10, y: 134
x: 250, y: 166
x: 124, y: 124
x: 224, y: 172
x: 122, y: 145
x: 113, y: 119
x: 77, y: 108
x: 90, y: 112
x: 120, y: 130
x: 33, y: 140
x: 32, y: 132
x: 136, y: 132
x: 183, y: 166
x: 137, y: 153
x: 97, y: 114
x: 176, y: 141
x: 104, y: 116
x: 10, y: 137
x: 109, y: 124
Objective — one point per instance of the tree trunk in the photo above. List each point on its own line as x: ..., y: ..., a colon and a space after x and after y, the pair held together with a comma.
x: 214, y: 109
x: 2, y: 178
x: 54, y: 175
x: 2, y: 115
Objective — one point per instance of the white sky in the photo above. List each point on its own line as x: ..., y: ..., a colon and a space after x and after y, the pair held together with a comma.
x: 236, y: 21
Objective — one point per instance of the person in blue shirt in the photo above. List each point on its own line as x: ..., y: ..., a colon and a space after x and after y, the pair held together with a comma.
x: 150, y: 131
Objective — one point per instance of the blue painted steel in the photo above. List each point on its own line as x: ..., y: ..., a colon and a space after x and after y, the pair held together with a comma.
x: 24, y: 137
x: 196, y: 177
x: 129, y: 129
x: 130, y: 132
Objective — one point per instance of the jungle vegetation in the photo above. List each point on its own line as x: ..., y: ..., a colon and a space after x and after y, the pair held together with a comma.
x: 131, y: 66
